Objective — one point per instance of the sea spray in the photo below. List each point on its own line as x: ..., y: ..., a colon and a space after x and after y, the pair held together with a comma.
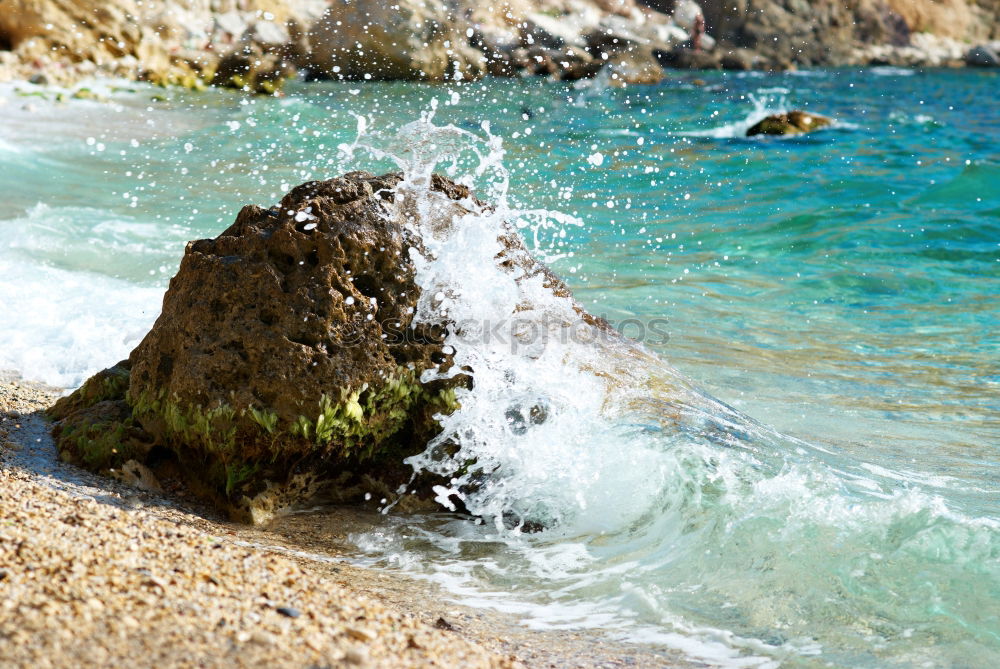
x: 614, y: 493
x: 550, y: 385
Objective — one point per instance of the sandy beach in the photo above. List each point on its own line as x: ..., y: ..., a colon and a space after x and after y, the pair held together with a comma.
x: 94, y: 572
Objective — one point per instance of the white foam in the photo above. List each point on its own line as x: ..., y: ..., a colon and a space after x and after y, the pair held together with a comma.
x: 60, y: 327
x: 658, y: 502
x: 891, y: 71
x: 62, y: 316
x: 766, y: 102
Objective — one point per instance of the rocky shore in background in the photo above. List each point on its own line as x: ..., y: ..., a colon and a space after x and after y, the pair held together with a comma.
x: 793, y: 33
x: 256, y: 44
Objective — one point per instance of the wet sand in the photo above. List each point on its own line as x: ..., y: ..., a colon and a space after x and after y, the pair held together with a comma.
x: 94, y: 572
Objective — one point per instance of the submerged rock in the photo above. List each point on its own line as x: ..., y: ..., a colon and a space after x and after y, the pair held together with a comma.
x: 791, y: 123
x: 283, y: 360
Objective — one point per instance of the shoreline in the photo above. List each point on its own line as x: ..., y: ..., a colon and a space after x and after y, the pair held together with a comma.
x: 93, y: 570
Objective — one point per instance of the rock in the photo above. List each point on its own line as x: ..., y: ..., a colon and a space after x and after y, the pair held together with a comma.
x: 431, y: 41
x: 232, y: 23
x: 568, y: 64
x: 270, y: 34
x: 411, y: 39
x: 179, y: 44
x: 555, y: 32
x: 139, y: 476
x: 685, y: 13
x: 87, y: 94
x: 629, y: 47
x: 443, y: 624
x: 263, y: 638
x: 289, y: 611
x: 792, y: 123
x: 141, y: 40
x: 637, y: 66
x: 283, y: 362
x: 361, y: 634
x: 576, y: 63
x: 982, y: 56
x: 356, y: 655
x: 740, y: 59
x: 250, y: 69
x: 829, y: 32
x: 684, y: 58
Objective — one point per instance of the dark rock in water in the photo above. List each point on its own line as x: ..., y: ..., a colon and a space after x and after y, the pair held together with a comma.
x: 683, y: 58
x: 285, y: 362
x: 982, y: 56
x: 792, y: 123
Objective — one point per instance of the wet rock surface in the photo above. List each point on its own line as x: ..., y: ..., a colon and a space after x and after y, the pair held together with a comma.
x: 791, y: 123
x: 251, y: 69
x: 286, y: 363
x: 284, y: 357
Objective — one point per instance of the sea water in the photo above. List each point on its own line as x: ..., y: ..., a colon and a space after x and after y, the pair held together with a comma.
x: 797, y: 465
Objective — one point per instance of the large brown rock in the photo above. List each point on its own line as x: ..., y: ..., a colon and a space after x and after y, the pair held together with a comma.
x: 285, y: 362
x: 283, y: 357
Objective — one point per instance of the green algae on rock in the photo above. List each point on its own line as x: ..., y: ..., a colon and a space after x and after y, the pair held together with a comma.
x: 790, y: 123
x: 276, y: 369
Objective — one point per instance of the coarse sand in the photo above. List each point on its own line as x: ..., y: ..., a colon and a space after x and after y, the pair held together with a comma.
x: 96, y: 573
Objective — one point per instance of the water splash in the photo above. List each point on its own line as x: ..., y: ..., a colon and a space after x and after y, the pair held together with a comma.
x: 612, y: 492
x: 765, y: 102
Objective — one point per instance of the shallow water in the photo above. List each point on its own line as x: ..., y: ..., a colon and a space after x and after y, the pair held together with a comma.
x: 842, y: 288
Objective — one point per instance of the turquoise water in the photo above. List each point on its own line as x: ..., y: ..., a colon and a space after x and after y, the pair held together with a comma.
x: 842, y: 288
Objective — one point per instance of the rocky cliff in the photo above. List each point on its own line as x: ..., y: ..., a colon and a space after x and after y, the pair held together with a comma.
x: 177, y: 41
x: 241, y: 42
x: 835, y: 32
x: 254, y: 44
